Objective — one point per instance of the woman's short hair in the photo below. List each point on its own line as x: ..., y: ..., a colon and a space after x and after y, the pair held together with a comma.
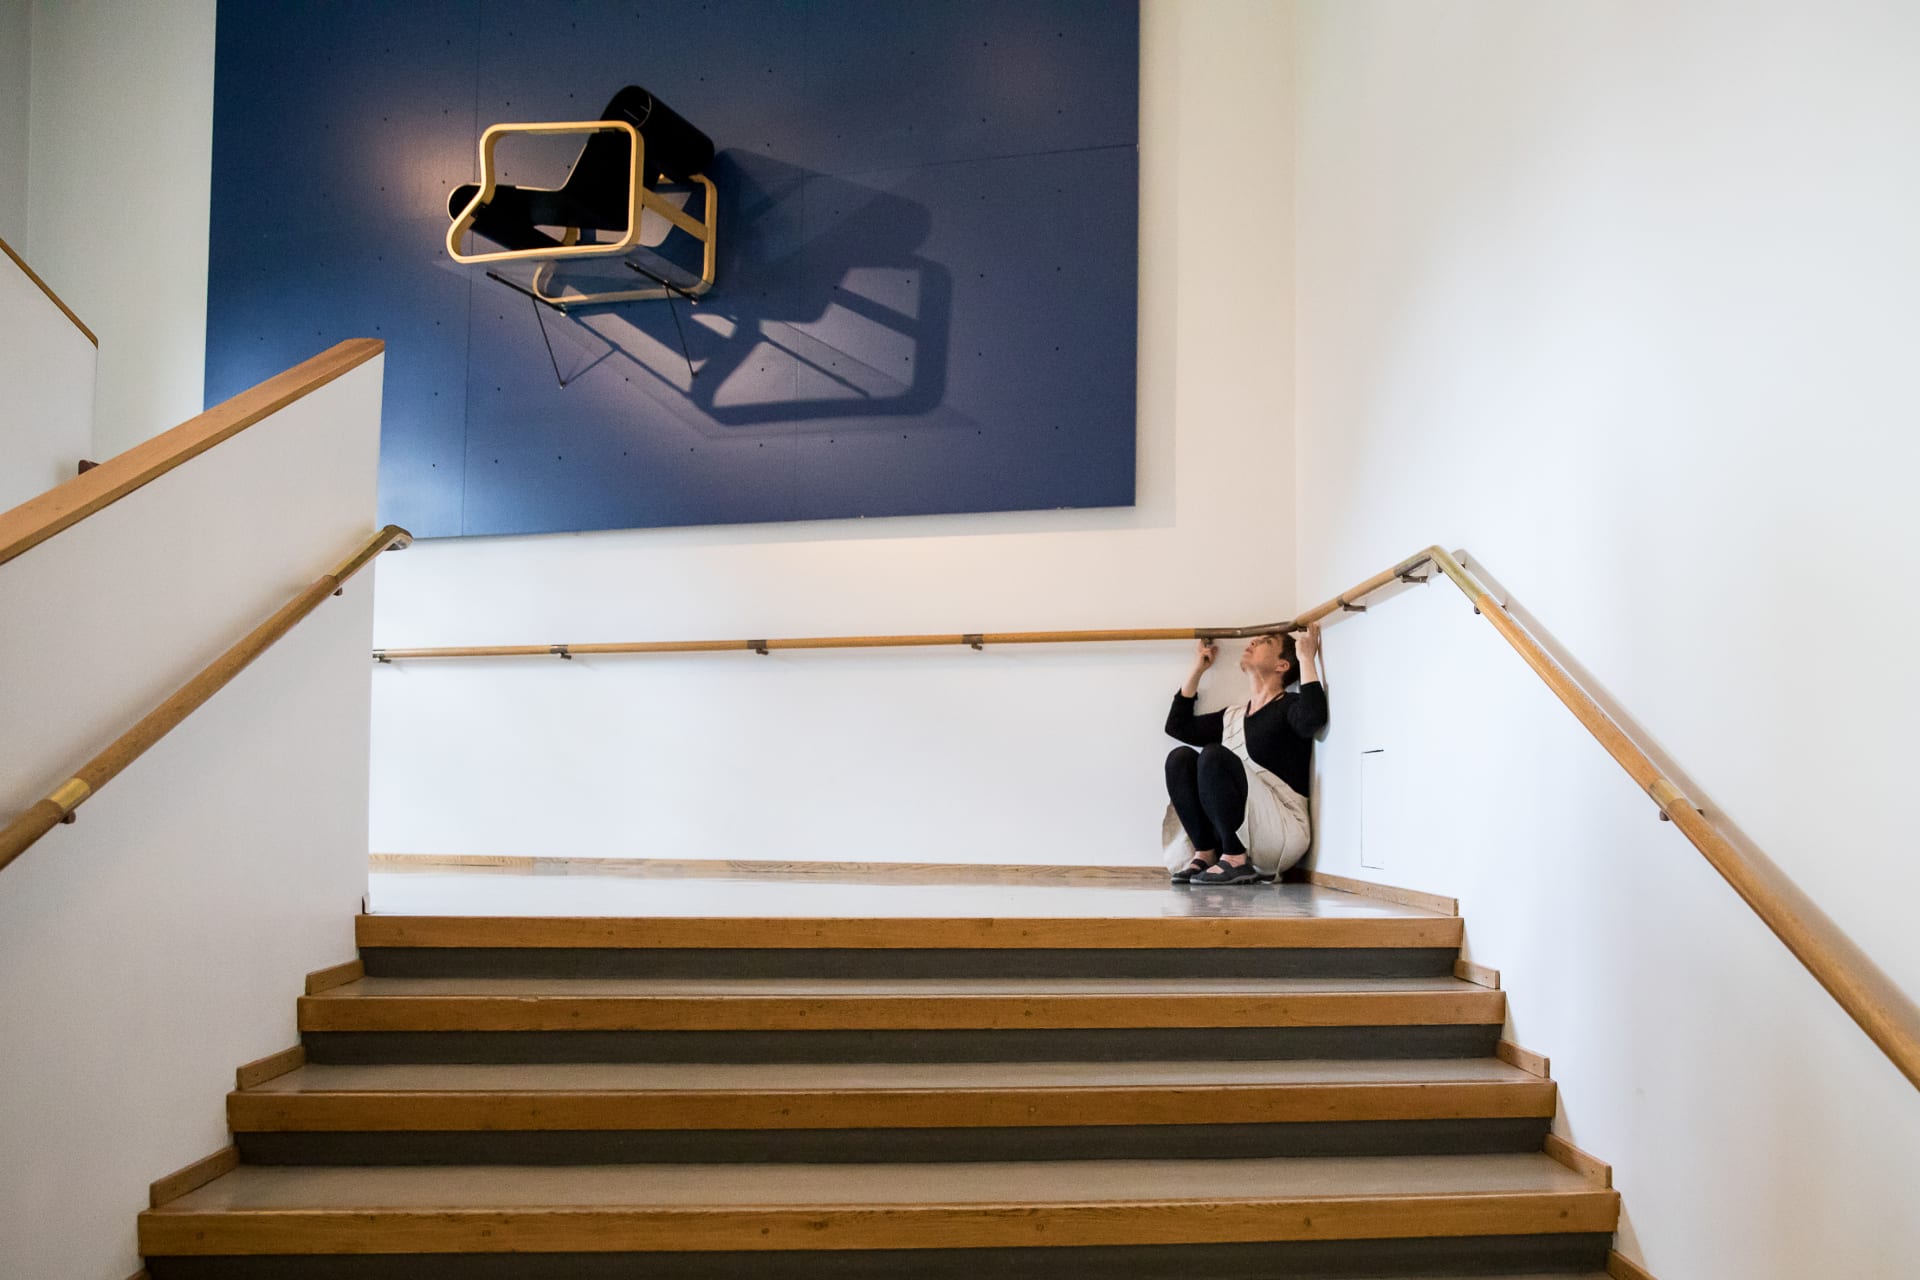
x: 1284, y: 639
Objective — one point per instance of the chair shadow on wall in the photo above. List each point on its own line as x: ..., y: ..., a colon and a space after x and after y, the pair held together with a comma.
x: 825, y: 313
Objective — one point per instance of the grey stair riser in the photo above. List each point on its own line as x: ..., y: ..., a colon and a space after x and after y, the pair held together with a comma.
x: 876, y: 1146
x: 1449, y: 1040
x: 1297, y: 1260
x: 985, y: 962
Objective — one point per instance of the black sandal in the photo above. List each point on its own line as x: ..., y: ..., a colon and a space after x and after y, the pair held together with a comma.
x: 1221, y: 873
x: 1193, y: 868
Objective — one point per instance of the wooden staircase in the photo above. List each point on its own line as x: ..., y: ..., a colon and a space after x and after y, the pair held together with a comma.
x: 1305, y: 1093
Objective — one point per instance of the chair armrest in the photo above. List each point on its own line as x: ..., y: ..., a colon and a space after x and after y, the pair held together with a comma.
x: 489, y: 181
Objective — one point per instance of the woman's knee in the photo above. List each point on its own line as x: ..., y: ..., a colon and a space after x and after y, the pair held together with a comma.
x: 1182, y: 762
x: 1218, y: 759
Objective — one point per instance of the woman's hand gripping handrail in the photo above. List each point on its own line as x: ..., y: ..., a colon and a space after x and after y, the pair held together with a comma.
x: 1888, y: 1016
x: 59, y: 805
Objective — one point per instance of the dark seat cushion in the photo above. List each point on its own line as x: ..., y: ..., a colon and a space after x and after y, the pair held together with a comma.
x: 594, y: 196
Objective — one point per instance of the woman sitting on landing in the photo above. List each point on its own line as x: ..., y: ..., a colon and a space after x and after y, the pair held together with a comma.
x: 1242, y: 798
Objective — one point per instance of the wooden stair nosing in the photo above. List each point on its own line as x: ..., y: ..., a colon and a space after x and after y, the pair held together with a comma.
x: 557, y: 1110
x: 1000, y: 1012
x: 887, y: 933
x: 554, y: 1229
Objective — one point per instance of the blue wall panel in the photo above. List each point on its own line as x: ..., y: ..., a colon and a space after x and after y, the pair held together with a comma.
x: 927, y: 279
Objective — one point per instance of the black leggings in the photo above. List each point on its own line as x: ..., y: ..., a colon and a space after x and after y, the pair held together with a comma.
x: 1209, y: 791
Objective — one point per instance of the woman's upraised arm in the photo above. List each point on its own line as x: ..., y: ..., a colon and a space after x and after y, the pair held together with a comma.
x: 1182, y: 724
x: 1307, y: 709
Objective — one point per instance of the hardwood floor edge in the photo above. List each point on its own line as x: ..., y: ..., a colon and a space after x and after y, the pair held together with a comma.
x: 271, y: 1067
x: 1387, y: 893
x: 1621, y: 1267
x: 1526, y: 1059
x: 1596, y: 1170
x: 778, y: 868
x: 337, y: 975
x: 163, y: 1191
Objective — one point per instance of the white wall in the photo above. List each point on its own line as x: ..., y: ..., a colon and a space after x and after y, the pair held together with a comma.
x: 1620, y: 296
x: 16, y: 21
x: 160, y: 941
x: 954, y: 756
x: 120, y: 169
x: 46, y: 389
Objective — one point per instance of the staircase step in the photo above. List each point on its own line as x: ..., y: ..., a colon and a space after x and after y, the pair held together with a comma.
x: 772, y: 1209
x: 1572, y: 1257
x: 648, y: 1113
x: 765, y: 1019
x: 1383, y: 945
x: 1487, y: 1258
x: 772, y: 1004
x: 755, y: 1095
x: 1408, y: 927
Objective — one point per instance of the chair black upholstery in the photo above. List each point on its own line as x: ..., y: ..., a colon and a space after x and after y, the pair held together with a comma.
x: 594, y: 196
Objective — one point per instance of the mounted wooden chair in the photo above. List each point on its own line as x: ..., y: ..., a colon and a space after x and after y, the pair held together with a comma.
x: 638, y: 146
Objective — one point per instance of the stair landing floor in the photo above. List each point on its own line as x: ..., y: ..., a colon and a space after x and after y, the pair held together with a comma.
x: 483, y: 893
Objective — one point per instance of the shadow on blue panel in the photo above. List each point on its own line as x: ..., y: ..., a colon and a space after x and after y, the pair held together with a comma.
x: 821, y: 270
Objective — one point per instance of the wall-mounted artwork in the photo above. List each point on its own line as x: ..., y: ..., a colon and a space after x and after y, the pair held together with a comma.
x: 916, y: 290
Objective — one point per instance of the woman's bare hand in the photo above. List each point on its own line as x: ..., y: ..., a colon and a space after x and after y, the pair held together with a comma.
x: 1203, y: 657
x: 1308, y: 645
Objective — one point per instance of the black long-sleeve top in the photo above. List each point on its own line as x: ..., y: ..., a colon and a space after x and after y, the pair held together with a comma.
x: 1279, y: 735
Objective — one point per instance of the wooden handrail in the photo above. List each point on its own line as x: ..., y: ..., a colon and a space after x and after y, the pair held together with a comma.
x: 52, y: 297
x: 1873, y: 1000
x: 37, y: 519
x: 58, y: 806
x: 970, y: 640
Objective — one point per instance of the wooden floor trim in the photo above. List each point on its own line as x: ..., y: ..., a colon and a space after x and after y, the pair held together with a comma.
x: 1620, y: 1267
x: 1595, y: 1170
x: 271, y: 1067
x: 674, y: 1230
x: 338, y: 975
x: 704, y: 1109
x: 957, y: 933
x: 1385, y: 892
x: 918, y: 1013
x: 166, y: 1190
x: 777, y: 869
x: 1478, y: 974
x: 1526, y: 1059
